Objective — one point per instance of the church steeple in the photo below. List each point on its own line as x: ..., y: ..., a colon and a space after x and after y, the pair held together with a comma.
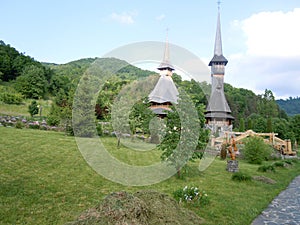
x: 218, y: 114
x: 166, y: 64
x: 218, y: 57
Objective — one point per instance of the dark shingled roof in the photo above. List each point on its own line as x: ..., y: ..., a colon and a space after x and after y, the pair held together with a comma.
x: 165, y: 65
x: 164, y: 91
x: 217, y: 102
x: 218, y: 106
x: 218, y: 59
x: 221, y: 115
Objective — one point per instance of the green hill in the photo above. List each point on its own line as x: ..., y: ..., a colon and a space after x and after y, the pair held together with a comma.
x: 291, y: 106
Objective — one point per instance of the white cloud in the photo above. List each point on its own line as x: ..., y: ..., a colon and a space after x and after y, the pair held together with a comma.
x: 160, y: 17
x: 272, y: 58
x: 123, y: 18
x: 273, y: 33
x: 257, y: 73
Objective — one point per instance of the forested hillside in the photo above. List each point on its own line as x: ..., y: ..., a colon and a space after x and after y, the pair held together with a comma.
x: 291, y: 106
x: 23, y: 78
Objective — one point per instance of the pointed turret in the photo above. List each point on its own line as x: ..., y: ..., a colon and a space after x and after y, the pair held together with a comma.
x: 218, y: 52
x: 166, y: 64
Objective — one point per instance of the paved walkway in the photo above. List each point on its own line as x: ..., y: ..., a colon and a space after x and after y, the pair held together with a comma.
x: 284, y: 209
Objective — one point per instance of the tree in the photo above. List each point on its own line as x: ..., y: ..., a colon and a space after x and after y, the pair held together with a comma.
x: 267, y: 106
x: 182, y: 134
x: 83, y: 109
x: 242, y: 125
x: 258, y: 122
x: 33, y: 108
x: 281, y: 126
x: 295, y: 126
x: 249, y: 124
x: 269, y: 127
x: 12, y: 62
x: 140, y: 116
x: 32, y: 82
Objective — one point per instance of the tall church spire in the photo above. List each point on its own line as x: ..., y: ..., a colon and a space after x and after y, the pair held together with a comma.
x: 218, y: 114
x: 218, y: 52
x: 218, y: 40
x: 166, y: 64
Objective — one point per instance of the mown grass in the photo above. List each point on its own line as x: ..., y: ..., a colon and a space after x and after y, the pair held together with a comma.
x: 44, y: 180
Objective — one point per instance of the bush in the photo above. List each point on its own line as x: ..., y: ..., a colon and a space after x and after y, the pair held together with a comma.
x: 33, y: 126
x: 8, y: 95
x: 240, y: 176
x: 69, y: 130
x: 291, y: 161
x: 99, y: 129
x: 288, y: 161
x: 279, y: 164
x: 19, y: 125
x: 33, y: 108
x: 256, y: 150
x: 266, y: 168
x: 53, y: 120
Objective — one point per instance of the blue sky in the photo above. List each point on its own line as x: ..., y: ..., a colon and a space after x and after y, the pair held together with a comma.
x: 260, y: 38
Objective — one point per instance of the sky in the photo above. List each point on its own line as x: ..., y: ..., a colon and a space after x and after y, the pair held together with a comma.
x: 260, y: 37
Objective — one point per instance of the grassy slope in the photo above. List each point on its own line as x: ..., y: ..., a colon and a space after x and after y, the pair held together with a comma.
x: 44, y: 180
x: 22, y: 109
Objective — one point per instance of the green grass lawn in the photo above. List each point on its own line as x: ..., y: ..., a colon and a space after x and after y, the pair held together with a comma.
x: 45, y: 180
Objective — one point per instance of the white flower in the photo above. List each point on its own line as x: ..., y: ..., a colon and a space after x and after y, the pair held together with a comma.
x: 175, y: 128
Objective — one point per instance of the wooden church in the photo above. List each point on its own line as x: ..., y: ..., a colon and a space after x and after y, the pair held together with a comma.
x: 165, y: 92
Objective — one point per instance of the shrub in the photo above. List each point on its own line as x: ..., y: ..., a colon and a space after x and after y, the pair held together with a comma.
x: 288, y: 161
x: 291, y: 161
x: 266, y: 168
x: 191, y: 195
x: 19, y: 125
x: 279, y: 164
x: 99, y: 129
x: 69, y: 130
x: 53, y: 120
x: 43, y: 127
x: 8, y: 95
x: 33, y: 126
x: 240, y: 176
x: 33, y: 108
x: 256, y: 150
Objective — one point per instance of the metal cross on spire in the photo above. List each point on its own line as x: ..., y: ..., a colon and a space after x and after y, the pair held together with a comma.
x: 219, y: 3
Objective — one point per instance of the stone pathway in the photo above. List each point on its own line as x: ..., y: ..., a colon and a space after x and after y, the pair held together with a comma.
x: 284, y: 209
